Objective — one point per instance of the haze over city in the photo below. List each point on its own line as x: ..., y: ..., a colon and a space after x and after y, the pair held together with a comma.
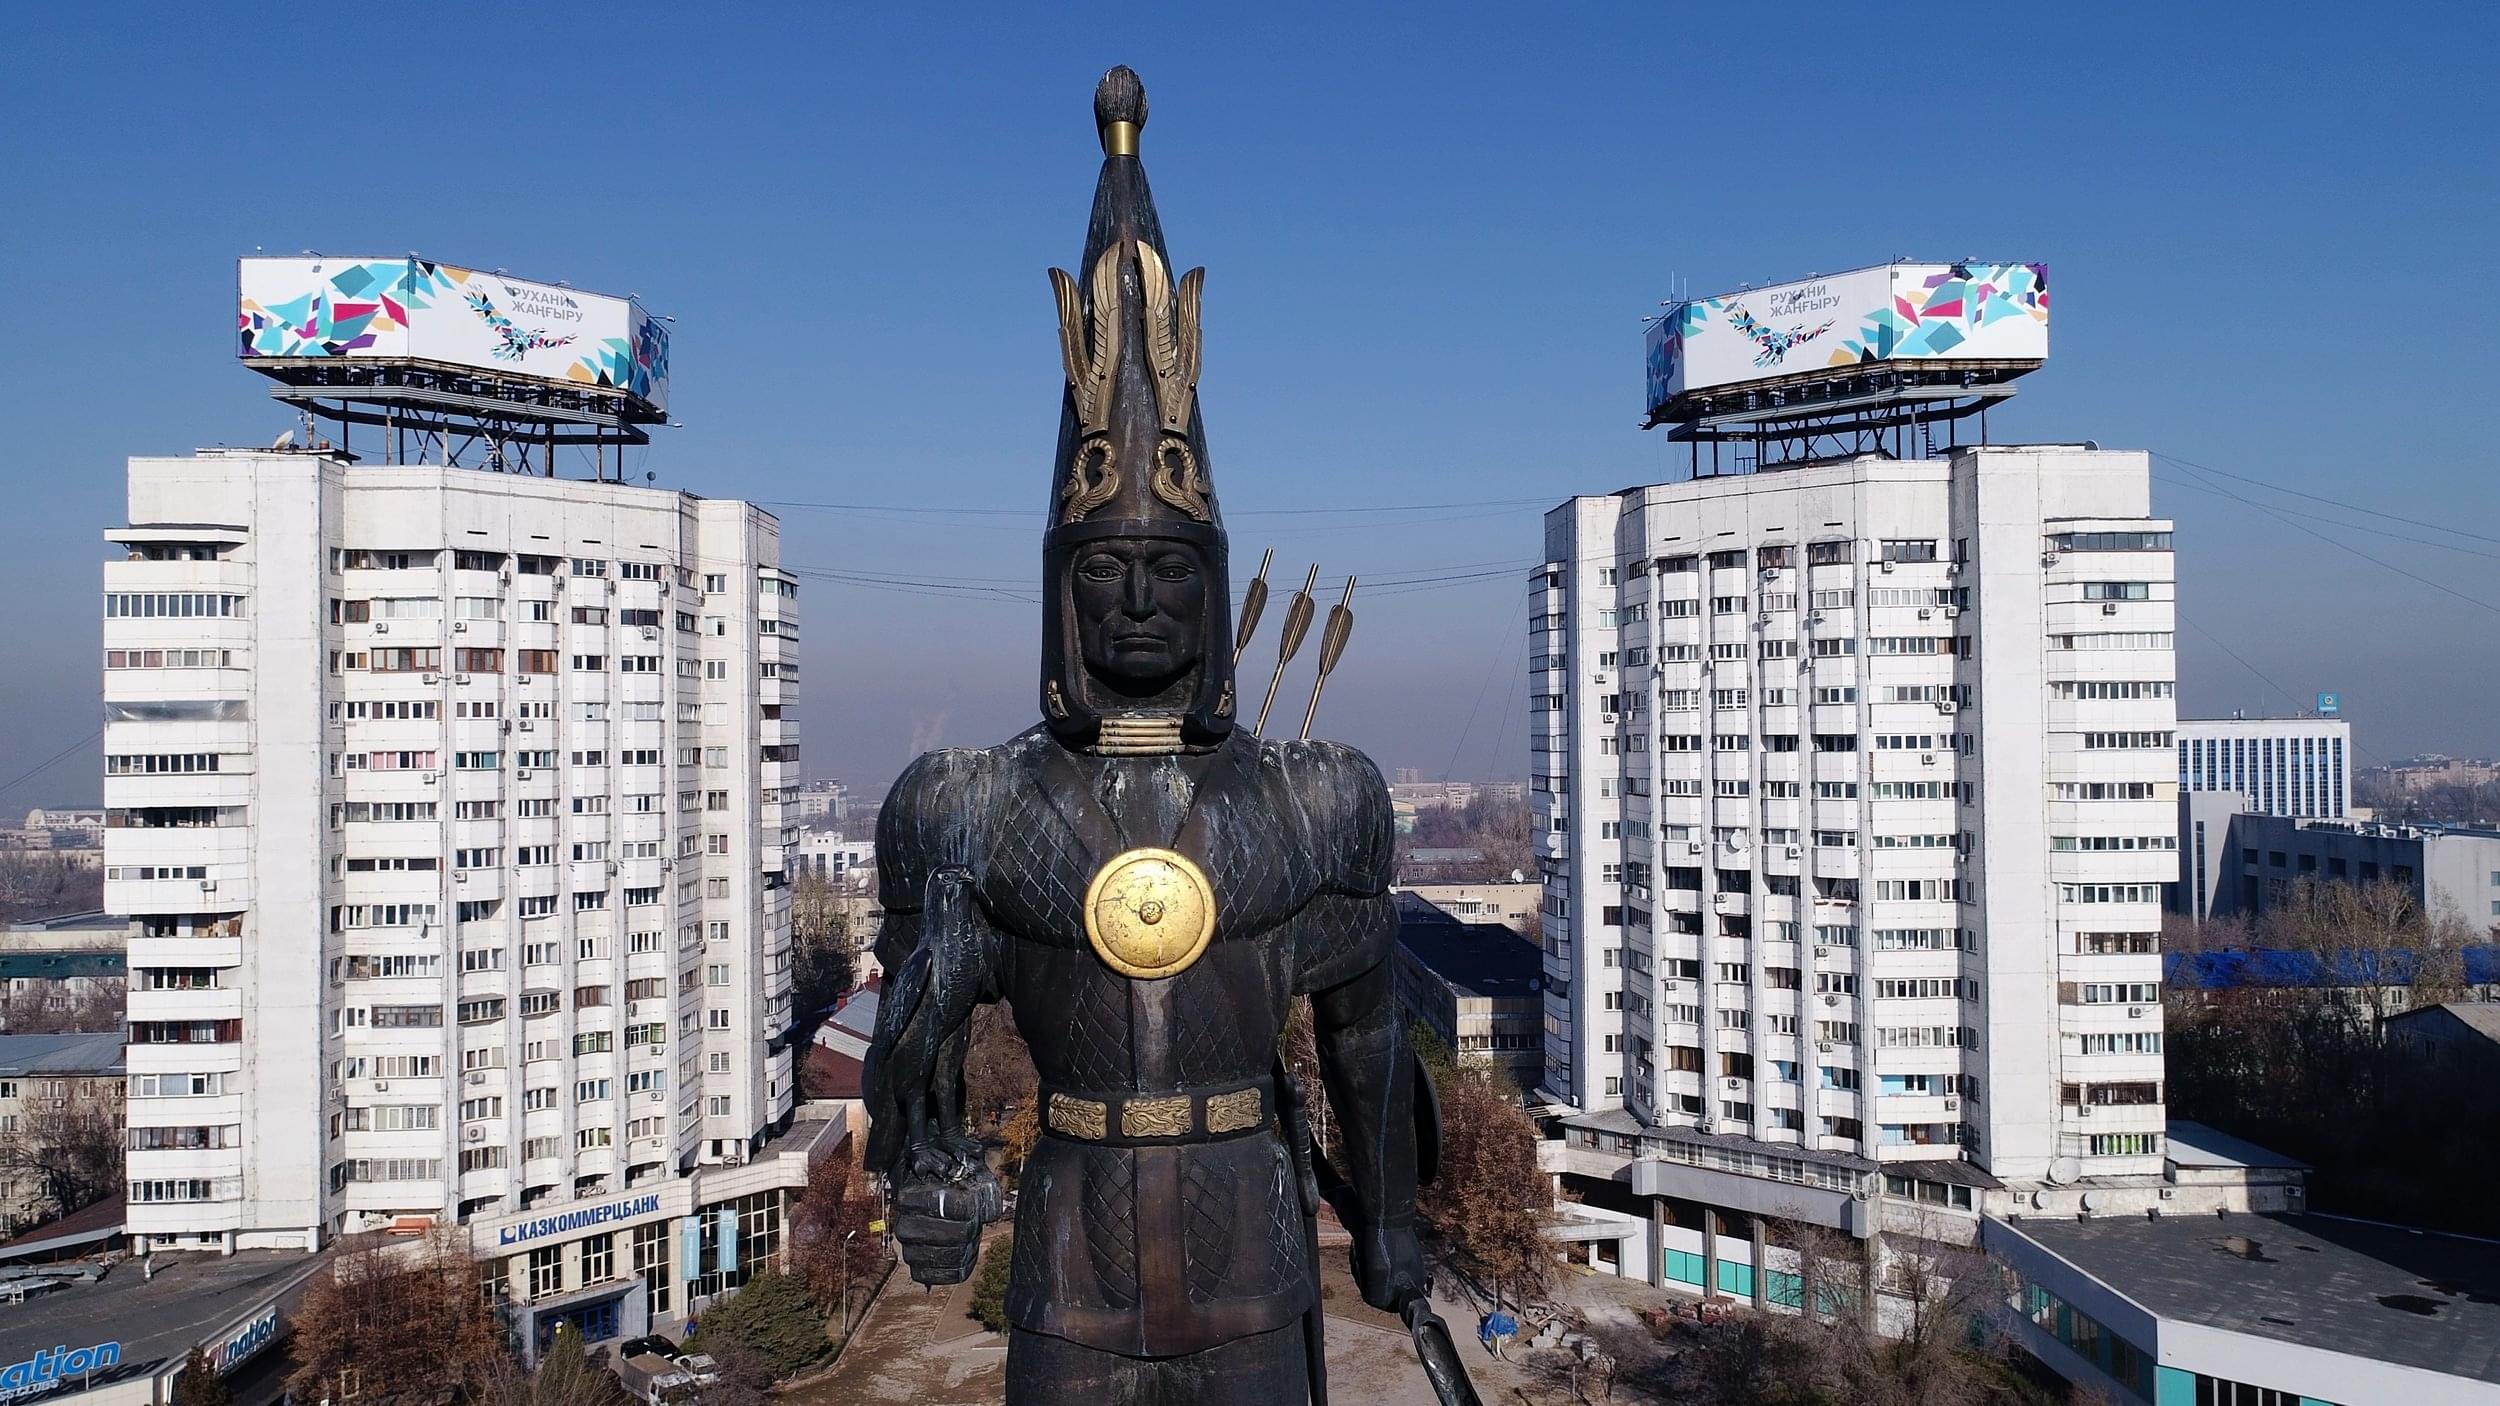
x: 1431, y: 244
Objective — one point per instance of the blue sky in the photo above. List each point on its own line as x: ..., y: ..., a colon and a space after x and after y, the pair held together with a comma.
x: 1431, y: 237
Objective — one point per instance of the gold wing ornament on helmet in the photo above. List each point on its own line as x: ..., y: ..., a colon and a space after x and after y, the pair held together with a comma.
x: 1089, y: 349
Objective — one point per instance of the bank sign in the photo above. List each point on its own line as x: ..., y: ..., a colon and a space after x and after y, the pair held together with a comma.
x: 583, y: 1219
x: 56, y: 1367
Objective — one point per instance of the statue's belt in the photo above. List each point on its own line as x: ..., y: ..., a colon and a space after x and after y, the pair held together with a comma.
x: 1209, y: 1114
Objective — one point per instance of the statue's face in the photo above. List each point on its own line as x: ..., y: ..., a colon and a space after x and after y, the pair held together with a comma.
x: 1139, y: 604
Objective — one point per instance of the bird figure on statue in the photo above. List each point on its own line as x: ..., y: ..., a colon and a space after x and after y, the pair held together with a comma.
x: 1150, y: 885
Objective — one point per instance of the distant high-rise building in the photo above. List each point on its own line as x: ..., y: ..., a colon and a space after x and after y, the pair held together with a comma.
x: 1856, y: 783
x: 449, y: 808
x: 2294, y: 767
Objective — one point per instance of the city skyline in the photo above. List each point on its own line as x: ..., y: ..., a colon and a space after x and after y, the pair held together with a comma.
x: 1429, y: 278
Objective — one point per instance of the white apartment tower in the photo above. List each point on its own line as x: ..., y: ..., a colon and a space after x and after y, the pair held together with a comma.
x: 1858, y: 785
x: 449, y: 806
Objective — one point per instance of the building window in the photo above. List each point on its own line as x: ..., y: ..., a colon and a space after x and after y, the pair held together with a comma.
x: 546, y: 1270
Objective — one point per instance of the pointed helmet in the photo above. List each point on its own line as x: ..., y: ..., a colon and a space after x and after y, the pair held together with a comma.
x: 1132, y: 461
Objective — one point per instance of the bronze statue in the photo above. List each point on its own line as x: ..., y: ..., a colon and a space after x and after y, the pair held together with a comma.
x: 1151, y: 886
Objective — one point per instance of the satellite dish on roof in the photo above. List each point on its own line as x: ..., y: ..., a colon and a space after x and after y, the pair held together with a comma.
x: 2089, y: 1204
x: 2064, y: 1170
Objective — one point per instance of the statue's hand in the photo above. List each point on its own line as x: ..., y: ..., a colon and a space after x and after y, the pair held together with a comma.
x: 1389, y: 1267
x: 938, y: 1220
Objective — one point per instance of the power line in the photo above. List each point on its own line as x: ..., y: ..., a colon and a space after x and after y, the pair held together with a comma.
x: 2320, y: 498
x: 2320, y: 517
x: 2375, y: 561
x: 48, y: 763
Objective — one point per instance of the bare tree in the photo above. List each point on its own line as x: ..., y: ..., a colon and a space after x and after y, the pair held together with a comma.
x: 38, y: 883
x: 401, y: 1326
x: 1932, y: 1339
x: 66, y: 1007
x: 832, y: 1250
x: 824, y: 952
x: 66, y: 1150
x: 998, y: 1069
x: 1491, y: 1204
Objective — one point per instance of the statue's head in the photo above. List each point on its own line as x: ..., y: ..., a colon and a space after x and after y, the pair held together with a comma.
x: 1136, y: 604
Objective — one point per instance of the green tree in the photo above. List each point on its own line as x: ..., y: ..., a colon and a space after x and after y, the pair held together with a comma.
x: 989, y: 1283
x: 199, y: 1384
x: 774, y: 1317
x: 567, y: 1377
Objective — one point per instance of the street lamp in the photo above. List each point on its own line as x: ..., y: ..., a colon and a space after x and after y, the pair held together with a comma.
x: 846, y: 1284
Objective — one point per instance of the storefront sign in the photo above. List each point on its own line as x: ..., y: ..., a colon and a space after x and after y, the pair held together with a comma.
x: 583, y: 1219
x: 52, y: 1368
x: 244, y: 1341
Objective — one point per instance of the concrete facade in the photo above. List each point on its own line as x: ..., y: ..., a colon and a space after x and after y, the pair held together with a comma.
x: 1857, y: 788
x: 450, y: 810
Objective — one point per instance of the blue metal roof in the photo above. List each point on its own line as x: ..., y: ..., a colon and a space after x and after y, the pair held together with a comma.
x: 2266, y: 966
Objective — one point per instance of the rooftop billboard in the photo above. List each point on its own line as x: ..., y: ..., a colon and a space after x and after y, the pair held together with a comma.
x: 411, y: 309
x: 1893, y: 312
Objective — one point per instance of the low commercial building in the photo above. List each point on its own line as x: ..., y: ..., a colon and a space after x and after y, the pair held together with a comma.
x: 2454, y: 1038
x: 119, y: 1336
x: 1474, y: 985
x: 2285, y: 1310
x: 1514, y: 906
x: 2242, y: 863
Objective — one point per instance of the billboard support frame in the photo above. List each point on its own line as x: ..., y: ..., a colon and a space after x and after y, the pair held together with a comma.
x: 374, y: 348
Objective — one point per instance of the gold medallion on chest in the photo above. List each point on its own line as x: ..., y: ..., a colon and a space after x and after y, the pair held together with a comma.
x: 1149, y: 913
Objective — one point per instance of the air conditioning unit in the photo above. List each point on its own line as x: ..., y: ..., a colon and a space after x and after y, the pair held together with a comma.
x: 1703, y: 1125
x: 432, y: 777
x: 477, y: 1076
x: 1952, y: 612
x: 2170, y: 1193
x: 381, y: 627
x: 611, y: 867
x: 1822, y: 951
x: 504, y: 576
x: 1605, y: 717
x: 1948, y: 705
x: 474, y: 1135
x: 381, y: 1086
x: 432, y: 679
x: 2083, y: 1110
x: 1887, y: 568
x: 1925, y: 613
x: 527, y: 725
x: 655, y: 1095
x: 1815, y: 619
x: 522, y: 775
x: 2135, y: 1012
x: 1926, y: 759
x: 1674, y: 985
x: 650, y: 632
x: 208, y: 885
x: 2048, y: 558
x: 459, y: 878
x: 459, y: 627
x: 611, y: 587
x: 1831, y: 999
x: 1793, y: 852
x: 1693, y: 848
x: 1735, y: 1085
x: 1823, y: 1046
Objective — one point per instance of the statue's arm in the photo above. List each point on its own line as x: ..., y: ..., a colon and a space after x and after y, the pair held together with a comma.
x: 1347, y: 939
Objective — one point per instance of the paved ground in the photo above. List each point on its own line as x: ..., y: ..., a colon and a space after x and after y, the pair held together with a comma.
x: 921, y: 1347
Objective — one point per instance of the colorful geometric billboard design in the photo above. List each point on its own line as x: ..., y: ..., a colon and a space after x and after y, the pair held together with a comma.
x: 1894, y: 312
x: 414, y: 309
